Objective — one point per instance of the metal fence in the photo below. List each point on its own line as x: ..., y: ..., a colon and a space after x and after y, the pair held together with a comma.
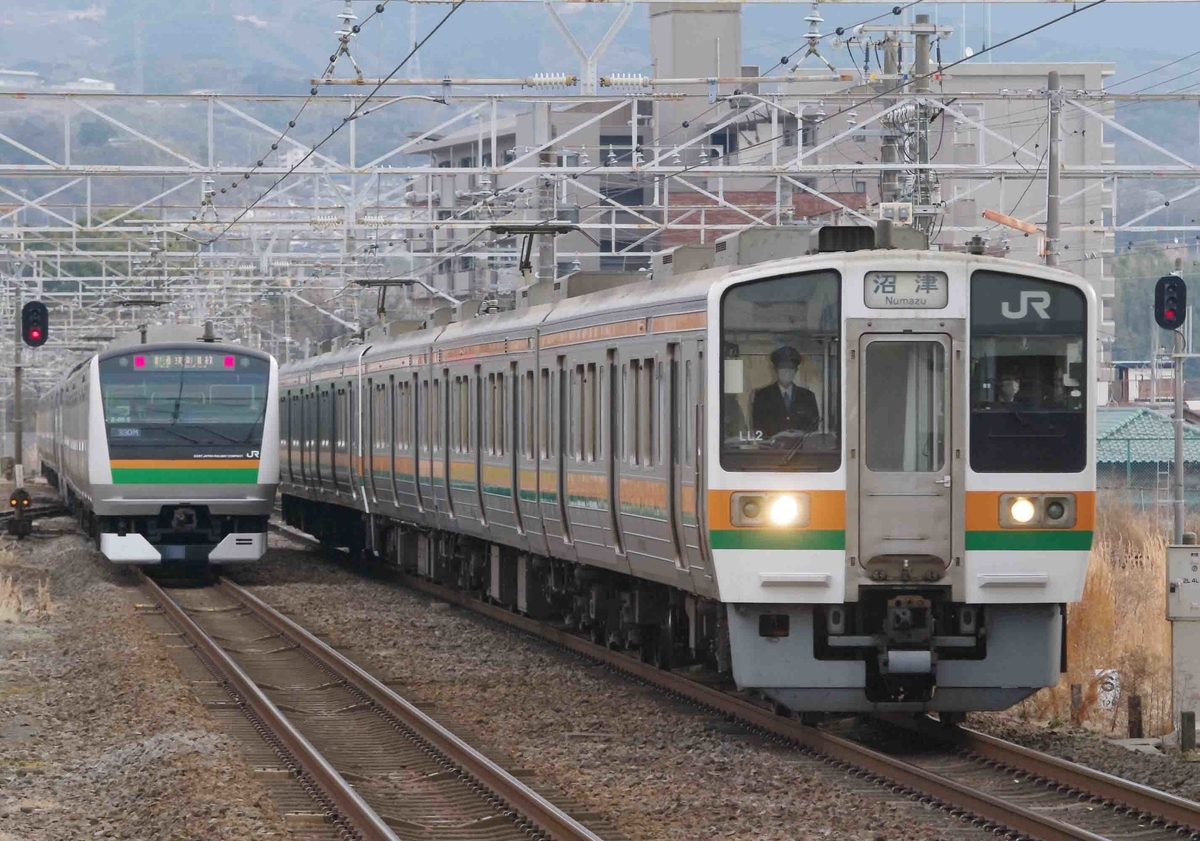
x: 1141, y: 470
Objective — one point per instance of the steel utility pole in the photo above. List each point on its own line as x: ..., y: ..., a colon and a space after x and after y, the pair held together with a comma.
x: 1053, y: 172
x: 1177, y: 483
x: 890, y: 151
x: 18, y: 444
x: 546, y: 260
x: 921, y: 70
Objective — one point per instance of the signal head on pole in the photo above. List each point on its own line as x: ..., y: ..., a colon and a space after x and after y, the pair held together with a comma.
x: 1170, y: 302
x: 35, y: 324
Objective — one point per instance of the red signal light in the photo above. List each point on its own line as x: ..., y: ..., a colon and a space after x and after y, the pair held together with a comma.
x: 1170, y: 314
x: 35, y: 334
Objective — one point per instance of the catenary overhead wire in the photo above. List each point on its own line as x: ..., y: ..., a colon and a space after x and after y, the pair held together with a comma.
x: 882, y: 94
x: 342, y: 49
x: 354, y: 114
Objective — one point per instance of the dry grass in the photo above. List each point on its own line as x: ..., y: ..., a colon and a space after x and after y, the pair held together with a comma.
x: 16, y: 601
x: 1120, y: 624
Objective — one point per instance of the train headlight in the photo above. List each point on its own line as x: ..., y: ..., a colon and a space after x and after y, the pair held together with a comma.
x: 1022, y: 510
x: 1037, y: 511
x: 785, y: 511
x: 749, y: 509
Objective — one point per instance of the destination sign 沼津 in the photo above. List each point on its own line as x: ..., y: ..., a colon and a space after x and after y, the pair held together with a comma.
x: 906, y: 290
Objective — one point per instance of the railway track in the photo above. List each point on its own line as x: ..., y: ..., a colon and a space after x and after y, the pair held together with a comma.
x: 35, y: 513
x: 379, y: 766
x: 994, y: 783
x: 998, y: 784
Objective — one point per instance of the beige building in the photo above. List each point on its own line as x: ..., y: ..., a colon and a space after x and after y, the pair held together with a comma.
x: 694, y: 41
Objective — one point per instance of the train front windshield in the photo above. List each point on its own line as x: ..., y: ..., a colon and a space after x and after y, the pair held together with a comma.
x: 184, y: 399
x: 780, y: 346
x: 1029, y: 384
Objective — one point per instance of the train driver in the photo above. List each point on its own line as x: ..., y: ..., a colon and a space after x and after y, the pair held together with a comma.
x: 784, y: 406
x: 1010, y: 389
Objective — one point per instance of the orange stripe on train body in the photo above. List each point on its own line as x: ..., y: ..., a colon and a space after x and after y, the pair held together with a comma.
x: 827, y: 511
x: 184, y: 463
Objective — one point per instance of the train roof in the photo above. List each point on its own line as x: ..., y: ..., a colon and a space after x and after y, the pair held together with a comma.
x: 156, y: 347
x: 654, y: 296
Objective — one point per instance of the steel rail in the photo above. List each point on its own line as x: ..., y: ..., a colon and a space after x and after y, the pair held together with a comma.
x: 879, y: 766
x: 31, y: 513
x: 1143, y: 799
x: 350, y: 807
x: 516, y: 794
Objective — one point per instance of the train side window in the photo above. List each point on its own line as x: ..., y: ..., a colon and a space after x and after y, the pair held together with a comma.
x: 501, y: 414
x: 431, y: 418
x: 688, y: 410
x: 654, y: 388
x: 435, y: 411
x: 490, y: 416
x: 528, y: 406
x: 462, y: 413
x: 592, y: 438
x: 635, y: 404
x: 573, y: 414
x: 545, y: 421
x: 584, y: 404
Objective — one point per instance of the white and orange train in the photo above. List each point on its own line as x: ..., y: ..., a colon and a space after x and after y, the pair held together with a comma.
x: 859, y: 480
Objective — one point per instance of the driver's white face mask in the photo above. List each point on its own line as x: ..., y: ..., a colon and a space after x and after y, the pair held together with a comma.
x: 786, y: 376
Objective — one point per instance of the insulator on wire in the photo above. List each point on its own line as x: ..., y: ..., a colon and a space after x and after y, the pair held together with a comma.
x: 550, y: 80
x: 626, y: 80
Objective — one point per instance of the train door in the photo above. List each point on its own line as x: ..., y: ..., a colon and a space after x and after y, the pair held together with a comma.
x: 552, y: 425
x: 395, y: 408
x: 612, y: 419
x: 422, y: 425
x: 477, y: 429
x: 904, y: 411
x: 510, y: 400
x: 341, y: 452
x: 527, y: 478
x: 354, y: 442
x: 450, y: 437
x: 675, y: 450
x: 327, y: 432
x: 694, y: 492
x: 373, y: 402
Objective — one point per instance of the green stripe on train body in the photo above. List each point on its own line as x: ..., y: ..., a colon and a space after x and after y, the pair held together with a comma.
x: 777, y: 539
x: 1016, y: 540
x: 185, y: 476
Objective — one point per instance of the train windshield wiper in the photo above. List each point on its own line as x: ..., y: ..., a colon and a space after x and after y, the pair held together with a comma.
x: 170, y: 428
x: 221, y: 435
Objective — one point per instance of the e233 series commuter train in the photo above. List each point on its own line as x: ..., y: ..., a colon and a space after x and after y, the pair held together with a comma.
x: 158, y: 448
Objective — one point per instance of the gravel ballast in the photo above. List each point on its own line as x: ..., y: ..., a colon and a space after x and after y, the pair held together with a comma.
x: 1168, y: 772
x: 99, y: 735
x: 657, y: 768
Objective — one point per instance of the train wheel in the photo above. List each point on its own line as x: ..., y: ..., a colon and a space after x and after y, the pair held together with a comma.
x: 659, y: 649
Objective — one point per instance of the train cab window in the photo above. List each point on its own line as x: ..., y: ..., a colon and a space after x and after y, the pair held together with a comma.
x: 780, y: 380
x: 1029, y: 391
x: 178, y: 399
